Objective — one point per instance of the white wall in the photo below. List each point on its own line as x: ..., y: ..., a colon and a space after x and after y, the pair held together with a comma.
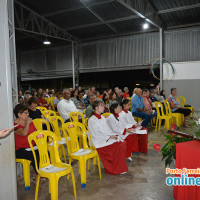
x: 187, y: 81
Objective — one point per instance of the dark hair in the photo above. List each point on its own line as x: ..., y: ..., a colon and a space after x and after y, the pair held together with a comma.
x: 145, y: 90
x: 162, y: 93
x: 19, y: 108
x: 113, y: 107
x: 72, y: 93
x: 172, y: 89
x: 32, y: 100
x: 58, y: 93
x: 111, y: 95
x: 124, y: 102
x: 94, y: 105
x: 40, y: 95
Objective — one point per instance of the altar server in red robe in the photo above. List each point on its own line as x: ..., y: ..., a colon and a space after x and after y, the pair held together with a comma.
x: 140, y: 143
x: 119, y: 127
x: 109, y: 145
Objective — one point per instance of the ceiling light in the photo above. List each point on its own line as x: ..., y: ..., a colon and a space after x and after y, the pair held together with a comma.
x: 152, y: 84
x: 145, y: 26
x: 137, y: 84
x: 46, y: 42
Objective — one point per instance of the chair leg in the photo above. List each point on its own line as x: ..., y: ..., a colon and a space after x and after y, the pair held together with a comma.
x: 74, y: 185
x: 157, y: 124
x: 53, y: 183
x: 94, y: 161
x: 82, y: 169
x: 160, y: 120
x: 99, y: 166
x: 37, y: 187
x: 26, y: 173
x: 89, y: 164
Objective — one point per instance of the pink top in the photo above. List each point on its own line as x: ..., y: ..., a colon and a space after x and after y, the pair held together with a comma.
x: 147, y: 104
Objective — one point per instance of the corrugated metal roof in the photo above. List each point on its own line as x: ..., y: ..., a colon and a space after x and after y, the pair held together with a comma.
x: 87, y: 19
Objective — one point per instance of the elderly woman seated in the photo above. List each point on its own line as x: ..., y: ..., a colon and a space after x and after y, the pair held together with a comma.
x: 176, y: 108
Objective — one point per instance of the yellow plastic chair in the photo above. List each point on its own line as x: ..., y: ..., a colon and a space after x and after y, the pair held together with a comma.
x: 182, y: 116
x: 54, y: 121
x: 75, y: 116
x: 184, y: 103
x: 175, y: 116
x: 26, y: 171
x: 106, y: 114
x: 47, y: 100
x: 39, y: 124
x: 161, y: 116
x: 52, y: 103
x: 77, y: 153
x: 48, y: 113
x: 52, y: 171
x: 41, y: 108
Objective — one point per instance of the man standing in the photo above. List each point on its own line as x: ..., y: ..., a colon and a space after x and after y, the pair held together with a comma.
x: 89, y: 109
x: 138, y: 108
x: 65, y: 106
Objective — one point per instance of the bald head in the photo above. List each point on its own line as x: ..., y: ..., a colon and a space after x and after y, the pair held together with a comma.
x: 66, y: 94
x: 138, y: 92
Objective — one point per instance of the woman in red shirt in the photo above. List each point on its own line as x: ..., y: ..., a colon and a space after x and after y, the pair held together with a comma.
x: 22, y: 131
x: 42, y: 102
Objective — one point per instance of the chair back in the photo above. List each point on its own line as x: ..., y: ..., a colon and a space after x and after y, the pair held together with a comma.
x: 182, y: 101
x: 106, y: 115
x: 39, y: 124
x: 41, y: 108
x: 178, y: 101
x: 40, y: 138
x: 71, y: 131
x: 54, y: 121
x: 48, y: 113
x: 167, y: 107
x: 52, y: 103
x: 47, y: 100
x: 74, y: 116
x: 159, y: 107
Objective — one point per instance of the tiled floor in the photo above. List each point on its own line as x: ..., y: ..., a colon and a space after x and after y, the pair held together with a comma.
x: 145, y: 180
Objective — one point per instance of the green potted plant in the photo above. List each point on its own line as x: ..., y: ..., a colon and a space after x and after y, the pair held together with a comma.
x: 169, y: 150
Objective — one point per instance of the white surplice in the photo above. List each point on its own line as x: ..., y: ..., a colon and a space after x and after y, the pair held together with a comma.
x: 117, y: 127
x: 100, y: 132
x: 127, y: 119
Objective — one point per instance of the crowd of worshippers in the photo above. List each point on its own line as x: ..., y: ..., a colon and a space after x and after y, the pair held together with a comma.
x: 69, y: 100
x: 115, y: 137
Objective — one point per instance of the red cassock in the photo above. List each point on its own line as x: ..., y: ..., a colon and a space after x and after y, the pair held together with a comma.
x: 140, y: 142
x: 113, y: 158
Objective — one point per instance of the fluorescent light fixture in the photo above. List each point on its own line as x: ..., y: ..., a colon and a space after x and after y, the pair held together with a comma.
x: 46, y: 42
x: 145, y: 26
x: 137, y: 84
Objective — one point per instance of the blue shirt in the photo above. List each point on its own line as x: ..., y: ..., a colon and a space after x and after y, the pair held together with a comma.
x: 137, y: 102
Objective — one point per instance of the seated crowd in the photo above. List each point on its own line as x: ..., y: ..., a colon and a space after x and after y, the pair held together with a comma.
x: 115, y: 137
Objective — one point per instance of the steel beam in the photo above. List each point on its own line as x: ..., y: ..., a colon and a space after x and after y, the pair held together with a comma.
x: 73, y: 9
x: 179, y: 9
x: 144, y: 10
x: 35, y: 23
x: 98, y: 17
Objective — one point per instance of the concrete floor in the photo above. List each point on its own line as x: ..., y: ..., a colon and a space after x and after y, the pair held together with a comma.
x: 145, y: 180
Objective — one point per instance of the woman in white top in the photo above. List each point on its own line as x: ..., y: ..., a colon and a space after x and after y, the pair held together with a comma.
x: 119, y: 127
x: 140, y: 142
x: 108, y: 144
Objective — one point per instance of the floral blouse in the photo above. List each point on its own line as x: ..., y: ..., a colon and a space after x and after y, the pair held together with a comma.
x: 173, y: 99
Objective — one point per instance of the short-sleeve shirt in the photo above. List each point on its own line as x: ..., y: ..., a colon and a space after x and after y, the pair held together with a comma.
x: 137, y: 102
x: 35, y: 114
x: 22, y: 141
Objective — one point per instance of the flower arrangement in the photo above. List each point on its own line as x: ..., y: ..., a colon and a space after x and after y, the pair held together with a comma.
x: 195, y: 125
